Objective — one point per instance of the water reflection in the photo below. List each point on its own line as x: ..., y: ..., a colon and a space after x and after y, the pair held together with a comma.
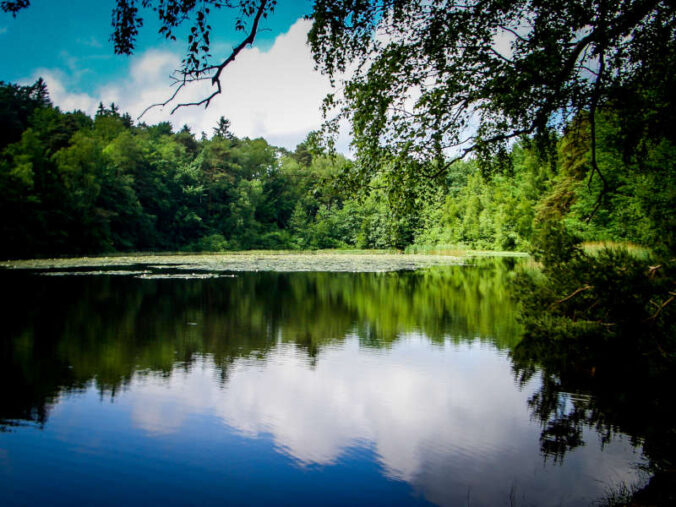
x: 62, y: 332
x: 387, y: 378
x: 616, y: 393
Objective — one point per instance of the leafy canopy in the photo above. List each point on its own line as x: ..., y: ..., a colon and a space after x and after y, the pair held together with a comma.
x: 430, y: 81
x: 436, y: 79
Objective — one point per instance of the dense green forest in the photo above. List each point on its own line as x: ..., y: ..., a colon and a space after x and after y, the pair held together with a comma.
x: 498, y: 125
x: 73, y: 185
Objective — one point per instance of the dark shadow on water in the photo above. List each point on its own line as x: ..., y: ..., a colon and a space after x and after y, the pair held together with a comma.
x: 617, y: 392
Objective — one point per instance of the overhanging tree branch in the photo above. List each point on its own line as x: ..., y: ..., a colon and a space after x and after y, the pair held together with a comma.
x: 190, y: 76
x: 592, y: 120
x: 474, y: 147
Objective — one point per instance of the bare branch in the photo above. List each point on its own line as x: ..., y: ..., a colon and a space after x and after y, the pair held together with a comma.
x: 162, y: 104
x: 470, y: 149
x: 500, y: 55
x: 248, y: 41
x: 592, y: 119
x: 662, y: 306
x: 514, y: 33
x: 206, y: 101
x: 572, y: 295
x: 191, y: 76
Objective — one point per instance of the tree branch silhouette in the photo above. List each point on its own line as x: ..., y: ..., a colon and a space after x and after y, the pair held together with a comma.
x: 188, y: 76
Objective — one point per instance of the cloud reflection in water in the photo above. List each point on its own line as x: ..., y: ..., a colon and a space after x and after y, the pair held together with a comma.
x: 448, y: 419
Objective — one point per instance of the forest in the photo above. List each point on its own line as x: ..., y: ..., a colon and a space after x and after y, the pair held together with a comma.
x: 499, y: 126
x: 75, y: 185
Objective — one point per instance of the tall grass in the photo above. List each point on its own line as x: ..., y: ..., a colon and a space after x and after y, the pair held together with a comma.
x: 459, y: 251
x: 638, y: 251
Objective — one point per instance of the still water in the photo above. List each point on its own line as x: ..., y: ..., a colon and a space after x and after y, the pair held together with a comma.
x: 145, y: 384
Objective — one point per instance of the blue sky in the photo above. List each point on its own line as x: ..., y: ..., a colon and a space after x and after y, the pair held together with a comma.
x: 271, y: 91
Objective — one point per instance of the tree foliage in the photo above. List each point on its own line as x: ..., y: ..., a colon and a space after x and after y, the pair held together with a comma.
x: 428, y: 82
x: 437, y: 80
x: 72, y: 184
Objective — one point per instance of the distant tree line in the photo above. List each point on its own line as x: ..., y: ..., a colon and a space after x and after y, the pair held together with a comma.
x: 73, y: 185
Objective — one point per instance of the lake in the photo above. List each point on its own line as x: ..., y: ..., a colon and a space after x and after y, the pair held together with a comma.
x: 375, y: 380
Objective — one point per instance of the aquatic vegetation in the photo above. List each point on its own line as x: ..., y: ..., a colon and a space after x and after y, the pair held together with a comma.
x: 327, y: 261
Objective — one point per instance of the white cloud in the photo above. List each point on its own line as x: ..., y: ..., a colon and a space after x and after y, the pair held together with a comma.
x: 275, y: 94
x: 439, y: 419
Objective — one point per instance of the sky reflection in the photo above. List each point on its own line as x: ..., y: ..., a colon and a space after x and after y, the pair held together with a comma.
x: 445, y: 419
x: 269, y: 388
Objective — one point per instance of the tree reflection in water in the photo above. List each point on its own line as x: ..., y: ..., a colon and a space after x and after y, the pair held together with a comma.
x: 61, y: 334
x: 620, y: 391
